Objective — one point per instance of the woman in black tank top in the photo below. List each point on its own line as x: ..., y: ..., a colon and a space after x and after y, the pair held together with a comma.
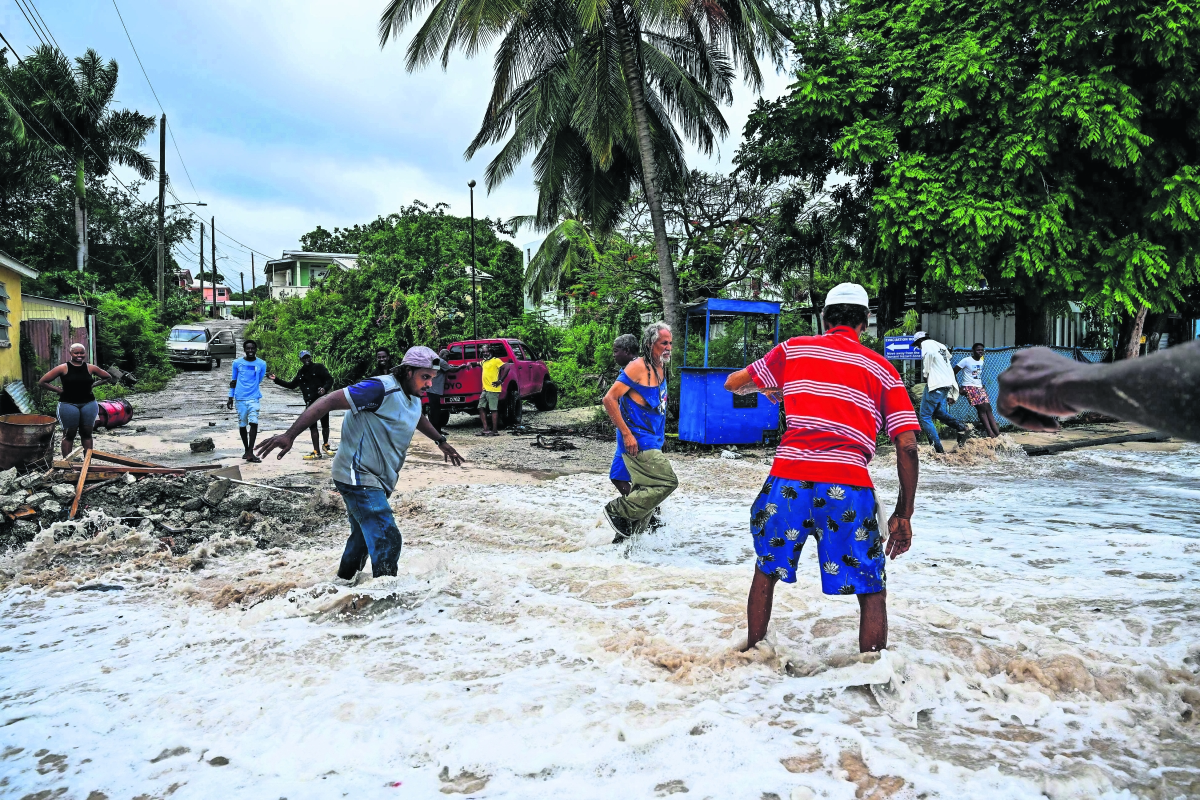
x: 77, y: 409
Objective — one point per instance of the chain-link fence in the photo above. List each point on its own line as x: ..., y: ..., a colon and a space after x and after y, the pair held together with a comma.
x: 995, y: 361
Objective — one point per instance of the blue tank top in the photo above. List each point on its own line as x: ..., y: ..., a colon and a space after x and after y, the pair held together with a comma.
x: 648, y: 423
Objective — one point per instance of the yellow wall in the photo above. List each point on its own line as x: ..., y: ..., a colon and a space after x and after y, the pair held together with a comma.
x: 10, y: 354
x: 35, y: 309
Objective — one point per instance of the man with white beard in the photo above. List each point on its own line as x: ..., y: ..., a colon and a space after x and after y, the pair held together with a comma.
x: 637, y: 406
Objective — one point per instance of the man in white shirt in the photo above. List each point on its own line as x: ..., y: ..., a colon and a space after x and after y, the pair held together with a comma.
x: 941, y: 389
x: 970, y: 369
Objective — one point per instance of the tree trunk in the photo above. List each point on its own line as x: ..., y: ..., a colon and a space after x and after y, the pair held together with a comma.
x: 891, y: 299
x: 820, y: 13
x: 1032, y: 325
x: 637, y: 101
x: 81, y: 233
x: 1135, y: 337
x: 80, y: 217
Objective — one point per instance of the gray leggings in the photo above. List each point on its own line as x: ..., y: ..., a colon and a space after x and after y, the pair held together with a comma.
x: 81, y: 417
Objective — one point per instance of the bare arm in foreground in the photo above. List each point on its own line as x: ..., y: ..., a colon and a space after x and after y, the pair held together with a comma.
x: 1160, y: 390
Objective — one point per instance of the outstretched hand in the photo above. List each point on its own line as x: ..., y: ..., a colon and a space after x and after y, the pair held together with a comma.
x: 899, y: 537
x: 1029, y: 395
x: 281, y: 441
x: 450, y: 454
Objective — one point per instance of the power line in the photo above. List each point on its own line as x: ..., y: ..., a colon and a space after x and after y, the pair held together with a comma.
x: 53, y: 100
x: 36, y: 30
x: 242, y: 245
x: 146, y: 75
x: 139, y: 58
x: 38, y: 14
x: 171, y: 133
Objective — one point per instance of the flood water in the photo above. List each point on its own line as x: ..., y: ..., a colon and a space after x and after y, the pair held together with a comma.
x: 1043, y: 643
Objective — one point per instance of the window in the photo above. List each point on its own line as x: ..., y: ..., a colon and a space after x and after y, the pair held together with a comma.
x: 456, y: 353
x: 4, y: 323
x: 469, y: 352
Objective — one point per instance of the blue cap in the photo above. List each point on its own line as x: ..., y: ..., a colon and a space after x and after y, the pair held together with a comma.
x: 304, y: 353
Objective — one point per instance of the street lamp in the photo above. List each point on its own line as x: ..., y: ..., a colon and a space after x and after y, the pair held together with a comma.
x: 474, y: 300
x: 177, y: 205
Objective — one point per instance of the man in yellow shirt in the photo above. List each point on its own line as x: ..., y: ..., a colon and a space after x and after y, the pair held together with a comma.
x: 494, y: 372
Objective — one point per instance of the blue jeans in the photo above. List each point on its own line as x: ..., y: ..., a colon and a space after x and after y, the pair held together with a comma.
x: 934, y: 406
x: 373, y: 532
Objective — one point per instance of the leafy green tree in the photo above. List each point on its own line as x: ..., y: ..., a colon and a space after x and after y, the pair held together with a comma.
x: 86, y: 137
x: 1046, y: 149
x: 412, y: 286
x: 598, y: 88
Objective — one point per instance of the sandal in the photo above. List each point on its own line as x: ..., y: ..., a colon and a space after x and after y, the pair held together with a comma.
x: 253, y: 459
x: 330, y: 448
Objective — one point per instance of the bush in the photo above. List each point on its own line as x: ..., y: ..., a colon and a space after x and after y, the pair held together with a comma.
x: 129, y: 336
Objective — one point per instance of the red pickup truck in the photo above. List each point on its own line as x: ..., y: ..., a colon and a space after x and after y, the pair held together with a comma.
x: 527, y: 379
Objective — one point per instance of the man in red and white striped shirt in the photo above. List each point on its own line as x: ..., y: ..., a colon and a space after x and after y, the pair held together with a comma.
x: 836, y: 396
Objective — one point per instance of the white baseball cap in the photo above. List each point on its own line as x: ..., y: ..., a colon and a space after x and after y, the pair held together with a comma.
x: 847, y: 294
x: 919, y: 335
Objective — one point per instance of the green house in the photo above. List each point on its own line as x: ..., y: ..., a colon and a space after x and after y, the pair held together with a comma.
x: 297, y: 272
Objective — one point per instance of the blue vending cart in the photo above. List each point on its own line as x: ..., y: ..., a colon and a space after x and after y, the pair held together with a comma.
x: 720, y: 337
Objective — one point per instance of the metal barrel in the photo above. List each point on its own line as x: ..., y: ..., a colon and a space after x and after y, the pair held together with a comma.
x: 24, y: 438
x: 113, y: 413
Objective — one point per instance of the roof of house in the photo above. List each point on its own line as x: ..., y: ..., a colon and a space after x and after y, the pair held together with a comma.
x: 50, y: 301
x: 16, y: 266
x: 208, y: 285
x: 346, y: 261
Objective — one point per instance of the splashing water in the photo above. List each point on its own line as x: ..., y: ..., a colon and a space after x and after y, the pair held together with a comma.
x: 1042, y: 644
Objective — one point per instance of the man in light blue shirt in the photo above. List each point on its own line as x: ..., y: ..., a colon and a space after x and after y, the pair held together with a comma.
x: 244, y: 383
x: 382, y: 414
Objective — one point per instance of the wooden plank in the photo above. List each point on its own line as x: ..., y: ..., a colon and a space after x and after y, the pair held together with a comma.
x: 21, y: 513
x: 125, y: 460
x: 101, y: 483
x: 117, y: 468
x: 1050, y: 449
x: 87, y: 462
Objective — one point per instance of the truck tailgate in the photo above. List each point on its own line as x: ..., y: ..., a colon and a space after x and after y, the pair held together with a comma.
x: 466, y: 383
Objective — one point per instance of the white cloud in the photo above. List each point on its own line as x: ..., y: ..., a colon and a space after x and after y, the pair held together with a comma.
x: 289, y: 115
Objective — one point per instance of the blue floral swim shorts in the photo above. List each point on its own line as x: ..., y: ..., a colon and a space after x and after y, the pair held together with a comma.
x: 841, y: 519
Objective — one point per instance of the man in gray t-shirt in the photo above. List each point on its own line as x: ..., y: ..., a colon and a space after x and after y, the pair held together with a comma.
x: 382, y: 413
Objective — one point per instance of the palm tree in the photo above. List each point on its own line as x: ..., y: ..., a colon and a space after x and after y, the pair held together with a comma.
x: 71, y: 104
x: 567, y: 249
x: 608, y: 78
x: 8, y: 111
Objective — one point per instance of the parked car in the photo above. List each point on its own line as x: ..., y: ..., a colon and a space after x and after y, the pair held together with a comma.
x: 200, y: 346
x: 527, y: 380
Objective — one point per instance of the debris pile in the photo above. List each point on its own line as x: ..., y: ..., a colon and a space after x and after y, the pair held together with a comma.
x: 179, y: 508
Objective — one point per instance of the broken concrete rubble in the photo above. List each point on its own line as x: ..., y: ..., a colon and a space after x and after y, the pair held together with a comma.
x: 186, y: 508
x: 63, y: 491
x: 204, y: 444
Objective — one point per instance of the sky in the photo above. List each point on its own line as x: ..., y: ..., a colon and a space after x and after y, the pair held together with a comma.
x: 288, y: 114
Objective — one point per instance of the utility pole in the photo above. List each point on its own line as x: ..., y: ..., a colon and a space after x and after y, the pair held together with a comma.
x: 474, y: 299
x: 213, y: 242
x: 253, y: 297
x: 242, y: 276
x: 162, y: 210
x: 201, y: 270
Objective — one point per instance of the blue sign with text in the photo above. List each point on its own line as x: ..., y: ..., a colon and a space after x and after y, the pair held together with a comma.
x: 900, y: 348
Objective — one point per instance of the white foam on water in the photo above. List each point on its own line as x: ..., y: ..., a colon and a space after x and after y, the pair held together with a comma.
x: 1043, y: 633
